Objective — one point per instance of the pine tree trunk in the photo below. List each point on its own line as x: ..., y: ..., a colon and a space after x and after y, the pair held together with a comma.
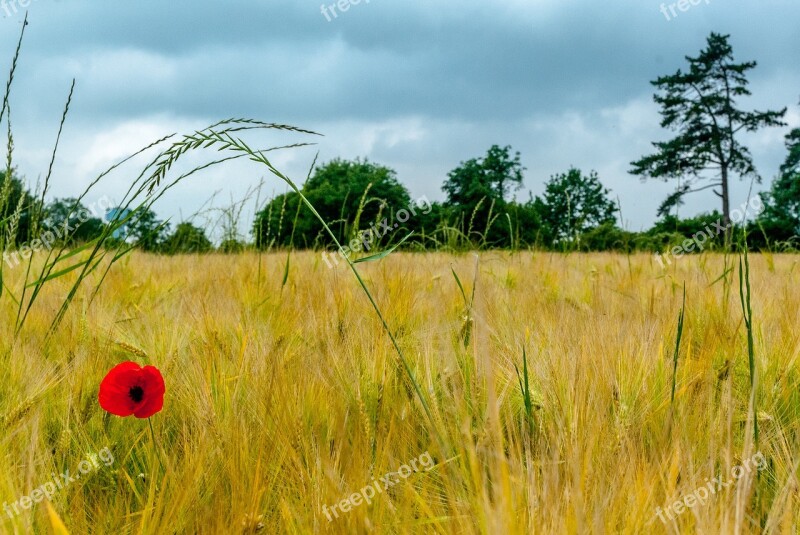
x: 726, y: 204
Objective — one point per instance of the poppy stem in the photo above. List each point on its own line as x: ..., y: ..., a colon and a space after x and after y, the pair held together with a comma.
x: 155, y: 444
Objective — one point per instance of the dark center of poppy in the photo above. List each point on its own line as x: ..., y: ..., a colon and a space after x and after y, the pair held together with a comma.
x: 136, y: 393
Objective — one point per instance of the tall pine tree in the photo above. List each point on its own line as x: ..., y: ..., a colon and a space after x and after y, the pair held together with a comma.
x: 701, y: 106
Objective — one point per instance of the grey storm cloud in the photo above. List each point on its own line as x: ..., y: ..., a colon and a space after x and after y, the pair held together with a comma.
x: 564, y: 82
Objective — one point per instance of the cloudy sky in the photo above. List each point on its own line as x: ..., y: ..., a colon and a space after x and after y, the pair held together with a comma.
x: 416, y: 85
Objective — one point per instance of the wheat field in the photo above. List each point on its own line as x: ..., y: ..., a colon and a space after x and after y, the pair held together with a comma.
x: 283, y: 400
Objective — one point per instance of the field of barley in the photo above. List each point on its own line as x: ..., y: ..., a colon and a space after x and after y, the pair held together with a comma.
x: 543, y: 400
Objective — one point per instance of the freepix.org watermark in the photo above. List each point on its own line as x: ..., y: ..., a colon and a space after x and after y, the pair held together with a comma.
x: 343, y: 6
x: 367, y: 238
x: 50, y: 236
x: 697, y: 242
x: 680, y: 5
x: 12, y: 7
x: 701, y: 494
x: 366, y: 494
x: 90, y: 464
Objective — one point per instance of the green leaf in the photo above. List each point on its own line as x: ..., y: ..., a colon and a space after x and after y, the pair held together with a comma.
x: 460, y: 286
x: 383, y: 254
x: 286, y: 270
x: 57, y: 274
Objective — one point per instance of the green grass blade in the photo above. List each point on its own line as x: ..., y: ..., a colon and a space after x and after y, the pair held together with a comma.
x: 383, y: 254
x: 460, y: 286
x: 678, y: 346
x: 57, y: 274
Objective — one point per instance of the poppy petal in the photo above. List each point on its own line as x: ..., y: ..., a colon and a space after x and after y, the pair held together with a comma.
x: 153, y: 380
x: 114, y: 395
x: 153, y: 385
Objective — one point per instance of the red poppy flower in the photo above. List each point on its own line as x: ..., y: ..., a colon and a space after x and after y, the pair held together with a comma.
x: 130, y: 389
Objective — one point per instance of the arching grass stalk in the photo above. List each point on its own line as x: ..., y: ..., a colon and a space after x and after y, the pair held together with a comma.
x: 259, y: 157
x: 61, y: 261
x: 134, y: 205
x: 225, y: 141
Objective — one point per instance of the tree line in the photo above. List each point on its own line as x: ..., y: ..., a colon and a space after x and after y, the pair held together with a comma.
x: 700, y: 105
